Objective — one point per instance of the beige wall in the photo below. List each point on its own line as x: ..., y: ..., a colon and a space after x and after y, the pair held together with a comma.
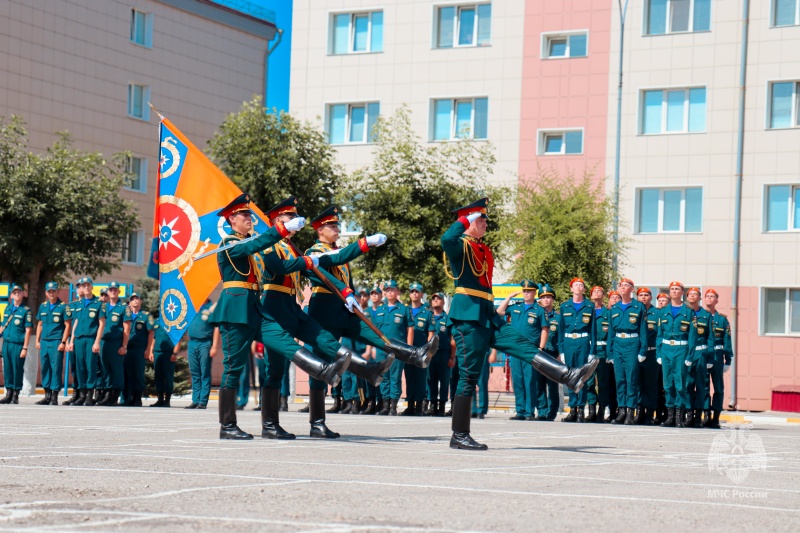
x: 409, y: 71
x: 66, y: 64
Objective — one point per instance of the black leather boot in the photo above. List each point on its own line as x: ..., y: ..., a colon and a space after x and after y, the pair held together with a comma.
x: 136, y: 399
x: 419, y: 356
x: 54, y: 398
x: 440, y: 409
x: 669, y: 422
x: 431, y: 409
x: 330, y: 373
x: 371, y: 408
x: 98, y: 395
x: 409, y: 409
x: 167, y: 398
x: 581, y: 416
x: 347, y: 407
x: 630, y: 419
x: 76, y: 393
x: 270, y: 423
x: 707, y: 420
x: 601, y: 413
x: 555, y: 370
x: 679, y: 420
x: 316, y: 416
x: 393, y: 407
x: 303, y: 409
x: 715, y: 420
x: 647, y: 418
x: 371, y: 371
x: 461, y: 439
x: 688, y: 418
x: 337, y: 405
x: 7, y: 398
x: 592, y: 416
x: 89, y: 398
x: 15, y: 397
x: 426, y: 407
x: 621, y: 415
x: 284, y: 404
x: 159, y: 402
x: 572, y: 416
x: 81, y: 397
x: 387, y: 405
x: 639, y: 418
x: 418, y: 408
x: 228, y: 429
x: 46, y: 399
x: 104, y: 397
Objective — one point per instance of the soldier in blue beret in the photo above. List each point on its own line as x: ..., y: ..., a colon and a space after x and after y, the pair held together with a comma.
x: 16, y: 331
x: 52, y: 333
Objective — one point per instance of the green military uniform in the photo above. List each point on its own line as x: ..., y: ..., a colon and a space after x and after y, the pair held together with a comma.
x: 416, y: 377
x: 134, y: 362
x: 627, y: 346
x: 696, y: 375
x: 548, y: 391
x: 163, y: 366
x: 528, y: 320
x: 649, y: 370
x: 74, y: 307
x: 439, y: 371
x: 675, y: 342
x: 606, y: 382
x: 576, y: 343
x: 54, y: 318
x: 114, y: 363
x: 87, y: 322
x: 17, y: 320
x: 200, y: 334
x: 723, y: 355
x: 393, y: 321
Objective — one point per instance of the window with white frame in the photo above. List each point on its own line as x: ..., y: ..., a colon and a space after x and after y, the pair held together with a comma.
x: 780, y: 311
x: 463, y: 25
x: 138, y: 96
x: 673, y: 111
x: 669, y: 210
x: 677, y: 16
x: 142, y: 28
x: 564, y: 45
x: 782, y: 208
x: 356, y: 33
x: 785, y: 12
x: 352, y: 123
x: 133, y: 248
x: 783, y: 109
x: 460, y: 118
x: 560, y: 142
x: 136, y: 170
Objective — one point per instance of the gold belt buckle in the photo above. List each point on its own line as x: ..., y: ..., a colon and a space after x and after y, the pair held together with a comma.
x: 672, y: 343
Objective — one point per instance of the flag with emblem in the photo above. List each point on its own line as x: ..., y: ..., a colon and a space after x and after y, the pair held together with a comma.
x: 190, y: 190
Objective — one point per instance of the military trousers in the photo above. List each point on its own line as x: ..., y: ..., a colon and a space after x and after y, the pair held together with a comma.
x: 672, y: 367
x: 606, y: 384
x: 525, y: 387
x: 392, y: 385
x: 576, y: 354
x: 648, y: 380
x: 695, y: 377
x: 439, y: 377
x: 715, y: 379
x: 626, y: 371
x: 52, y: 364
x: 200, y: 370
x: 349, y: 385
x: 86, y: 363
x: 480, y: 401
x: 113, y: 364
x: 416, y: 382
x: 134, y: 365
x: 164, y: 371
x: 13, y: 365
x: 548, y: 394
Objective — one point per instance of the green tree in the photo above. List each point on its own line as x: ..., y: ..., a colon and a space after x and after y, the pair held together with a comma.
x: 273, y: 156
x: 408, y: 193
x: 563, y: 228
x: 61, y: 211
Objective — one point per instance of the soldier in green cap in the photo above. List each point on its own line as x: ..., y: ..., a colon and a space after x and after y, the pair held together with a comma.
x: 476, y: 325
x: 16, y: 331
x: 88, y: 324
x: 445, y: 358
x: 115, y: 345
x: 137, y: 352
x: 416, y: 377
x: 52, y: 334
x: 395, y: 321
x: 549, y: 392
x: 74, y: 306
x: 241, y: 317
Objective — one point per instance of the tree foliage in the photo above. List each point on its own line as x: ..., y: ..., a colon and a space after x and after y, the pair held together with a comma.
x: 273, y: 156
x: 563, y: 228
x: 408, y: 193
x: 61, y: 211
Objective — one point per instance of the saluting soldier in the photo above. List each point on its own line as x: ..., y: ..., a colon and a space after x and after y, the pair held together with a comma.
x: 576, y: 342
x: 114, y: 345
x: 606, y: 389
x: 395, y: 321
x: 476, y: 325
x: 648, y: 370
x: 549, y: 392
x: 52, y: 333
x: 675, y: 342
x: 528, y: 319
x: 416, y: 377
x: 200, y: 334
x: 702, y: 359
x: 16, y: 331
x: 723, y: 356
x: 88, y: 324
x: 137, y: 352
x: 627, y: 346
x: 444, y: 360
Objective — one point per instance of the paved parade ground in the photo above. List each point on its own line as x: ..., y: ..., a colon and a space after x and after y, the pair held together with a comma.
x: 111, y: 469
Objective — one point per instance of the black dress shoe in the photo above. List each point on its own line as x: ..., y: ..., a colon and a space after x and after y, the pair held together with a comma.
x: 232, y: 432
x: 541, y: 418
x: 201, y: 406
x: 462, y: 441
x: 516, y: 417
x: 320, y: 431
x: 191, y: 406
x: 530, y: 418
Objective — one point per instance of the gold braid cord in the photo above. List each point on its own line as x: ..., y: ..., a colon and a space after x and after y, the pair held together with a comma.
x: 468, y: 255
x: 249, y: 261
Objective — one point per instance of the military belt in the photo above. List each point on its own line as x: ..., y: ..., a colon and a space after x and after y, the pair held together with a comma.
x: 703, y: 347
x: 674, y: 343
x: 240, y: 285
x: 478, y: 294
x: 576, y: 335
x: 601, y: 343
x: 323, y: 290
x: 651, y: 348
x: 279, y: 288
x: 719, y: 347
x: 627, y: 335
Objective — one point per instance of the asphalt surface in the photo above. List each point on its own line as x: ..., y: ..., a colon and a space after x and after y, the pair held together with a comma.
x: 159, y: 470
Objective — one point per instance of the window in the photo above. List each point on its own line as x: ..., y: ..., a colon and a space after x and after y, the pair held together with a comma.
x: 783, y: 108
x: 133, y: 248
x: 142, y: 28
x: 558, y: 46
x: 136, y: 167
x: 465, y: 25
x: 355, y: 33
x: 782, y: 211
x: 677, y: 16
x: 352, y: 123
x: 561, y: 142
x: 785, y: 12
x: 669, y: 210
x: 780, y: 311
x: 462, y: 118
x: 138, y: 96
x: 674, y: 111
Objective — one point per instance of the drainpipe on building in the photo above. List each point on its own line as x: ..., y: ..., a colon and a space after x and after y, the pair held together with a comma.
x: 615, y: 261
x: 737, y: 209
x: 271, y: 49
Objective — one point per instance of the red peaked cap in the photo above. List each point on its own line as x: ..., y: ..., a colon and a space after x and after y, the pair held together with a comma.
x: 240, y: 203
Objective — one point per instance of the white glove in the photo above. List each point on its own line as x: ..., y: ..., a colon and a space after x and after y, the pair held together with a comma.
x: 561, y: 357
x: 296, y: 224
x: 591, y: 358
x: 688, y: 363
x: 314, y: 260
x: 352, y: 304
x: 709, y: 365
x: 725, y: 369
x: 379, y: 239
x: 642, y: 358
x: 610, y: 361
x: 473, y: 217
x: 658, y: 360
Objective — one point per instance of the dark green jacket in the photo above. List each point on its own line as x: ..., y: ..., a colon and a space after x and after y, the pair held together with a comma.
x: 601, y: 332
x: 721, y: 329
x: 675, y: 335
x: 88, y: 317
x: 573, y: 321
x: 17, y: 320
x: 336, y: 265
x: 54, y: 320
x: 629, y: 321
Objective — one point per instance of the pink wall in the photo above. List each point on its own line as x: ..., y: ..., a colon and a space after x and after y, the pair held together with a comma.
x: 566, y: 93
